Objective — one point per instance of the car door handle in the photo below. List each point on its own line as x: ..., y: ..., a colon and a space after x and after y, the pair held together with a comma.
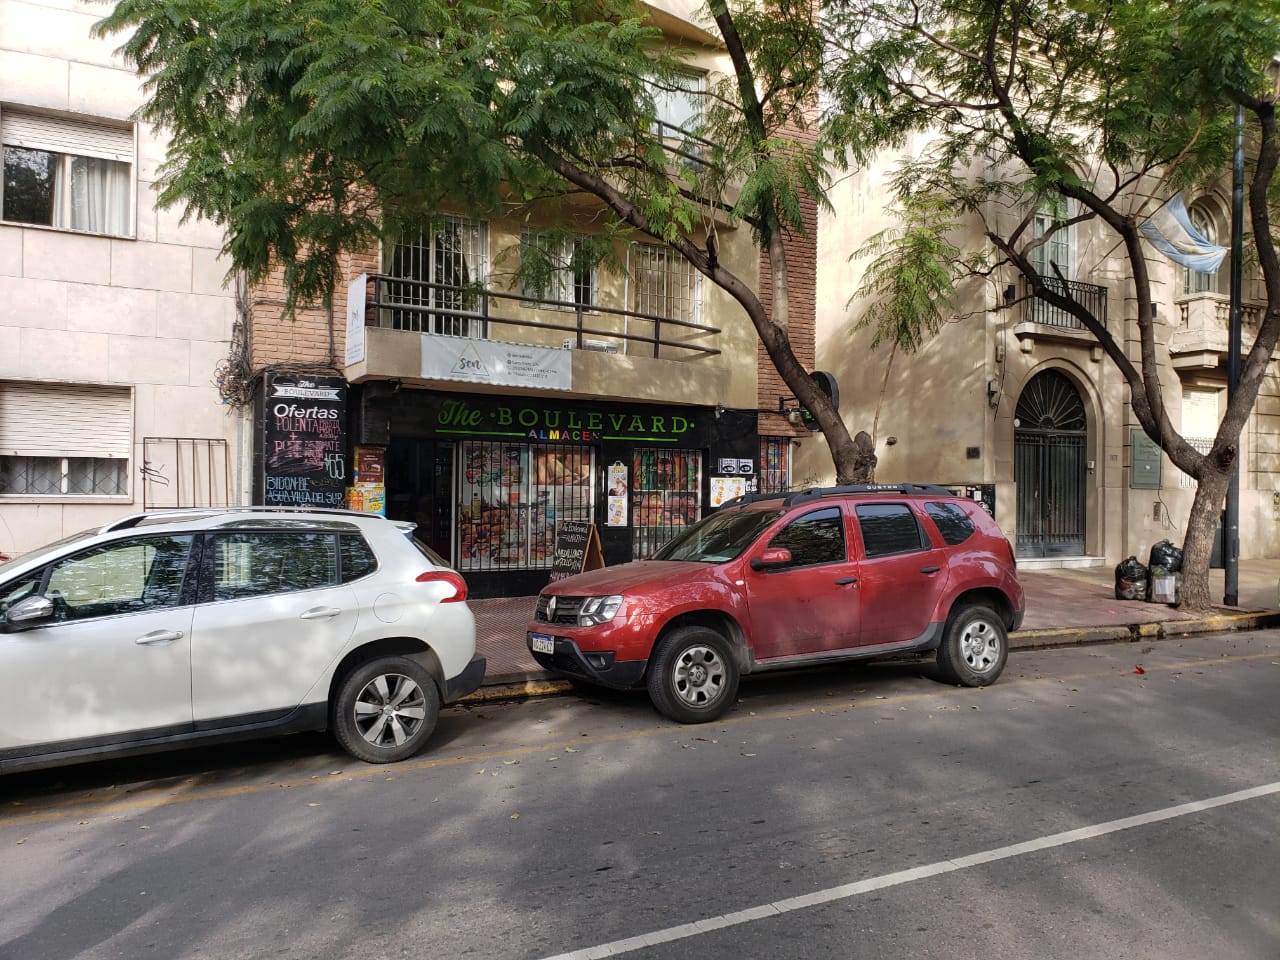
x: 845, y: 581
x: 320, y: 613
x: 159, y: 636
x: 930, y: 570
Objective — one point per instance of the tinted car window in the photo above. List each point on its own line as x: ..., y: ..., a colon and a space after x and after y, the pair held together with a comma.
x: 951, y: 522
x: 254, y: 564
x: 816, y: 537
x: 357, y: 559
x: 888, y: 528
x: 124, y: 577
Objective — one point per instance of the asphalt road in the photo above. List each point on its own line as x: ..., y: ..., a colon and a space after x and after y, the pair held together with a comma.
x: 1077, y: 809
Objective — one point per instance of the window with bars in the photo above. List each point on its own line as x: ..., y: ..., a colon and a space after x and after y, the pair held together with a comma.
x: 666, y: 496
x: 775, y: 464
x: 665, y: 285
x: 561, y: 272
x: 512, y: 495
x: 63, y: 476
x: 64, y: 440
x: 437, y: 276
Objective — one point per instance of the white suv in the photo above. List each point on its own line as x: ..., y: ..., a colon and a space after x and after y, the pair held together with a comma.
x: 163, y: 629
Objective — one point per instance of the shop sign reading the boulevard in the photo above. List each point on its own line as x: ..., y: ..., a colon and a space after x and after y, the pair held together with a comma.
x: 482, y: 417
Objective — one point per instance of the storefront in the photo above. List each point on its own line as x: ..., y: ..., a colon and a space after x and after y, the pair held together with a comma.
x: 487, y: 478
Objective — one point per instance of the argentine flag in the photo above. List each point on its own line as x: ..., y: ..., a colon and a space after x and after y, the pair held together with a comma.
x: 1170, y: 231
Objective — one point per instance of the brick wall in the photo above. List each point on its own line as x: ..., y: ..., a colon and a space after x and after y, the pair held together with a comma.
x: 304, y: 339
x: 802, y: 260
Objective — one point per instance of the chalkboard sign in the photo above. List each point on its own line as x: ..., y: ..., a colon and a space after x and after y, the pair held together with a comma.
x: 304, y: 456
x: 577, y: 549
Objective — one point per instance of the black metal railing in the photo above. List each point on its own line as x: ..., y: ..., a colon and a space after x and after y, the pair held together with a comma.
x: 450, y: 310
x: 1090, y: 296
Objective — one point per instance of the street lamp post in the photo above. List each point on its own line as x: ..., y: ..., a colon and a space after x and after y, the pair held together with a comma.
x: 1231, y: 531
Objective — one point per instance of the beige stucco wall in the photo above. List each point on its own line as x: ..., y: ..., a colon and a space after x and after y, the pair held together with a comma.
x: 150, y: 312
x: 962, y: 388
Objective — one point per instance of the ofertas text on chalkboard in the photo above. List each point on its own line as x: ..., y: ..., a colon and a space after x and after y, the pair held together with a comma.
x: 304, y: 436
x: 577, y: 549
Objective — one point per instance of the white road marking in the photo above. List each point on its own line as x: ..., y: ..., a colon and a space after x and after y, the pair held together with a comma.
x: 844, y: 891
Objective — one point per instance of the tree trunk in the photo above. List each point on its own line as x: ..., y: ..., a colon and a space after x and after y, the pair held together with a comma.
x: 1197, y: 546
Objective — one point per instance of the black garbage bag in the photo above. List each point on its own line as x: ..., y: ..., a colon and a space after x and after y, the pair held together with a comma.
x: 1165, y: 554
x: 1131, y: 579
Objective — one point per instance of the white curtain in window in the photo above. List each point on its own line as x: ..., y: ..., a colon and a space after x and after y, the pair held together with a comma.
x: 91, y: 194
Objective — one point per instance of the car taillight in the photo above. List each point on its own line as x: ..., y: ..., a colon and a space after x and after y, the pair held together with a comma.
x: 446, y: 576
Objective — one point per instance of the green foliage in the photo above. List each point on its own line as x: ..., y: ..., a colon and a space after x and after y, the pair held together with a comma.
x: 310, y: 129
x: 910, y: 280
x: 1027, y: 104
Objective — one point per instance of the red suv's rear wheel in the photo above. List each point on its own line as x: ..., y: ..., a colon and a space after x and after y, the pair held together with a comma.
x: 693, y: 676
x: 974, y: 648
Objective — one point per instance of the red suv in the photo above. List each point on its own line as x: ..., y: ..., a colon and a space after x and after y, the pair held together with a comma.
x: 786, y: 580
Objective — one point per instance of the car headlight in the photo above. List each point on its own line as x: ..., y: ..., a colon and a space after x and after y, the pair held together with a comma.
x: 597, y: 610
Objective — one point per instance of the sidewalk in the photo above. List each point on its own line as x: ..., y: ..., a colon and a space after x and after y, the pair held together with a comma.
x: 1064, y: 606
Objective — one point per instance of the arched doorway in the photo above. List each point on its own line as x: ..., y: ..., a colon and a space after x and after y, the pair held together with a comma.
x: 1050, y: 434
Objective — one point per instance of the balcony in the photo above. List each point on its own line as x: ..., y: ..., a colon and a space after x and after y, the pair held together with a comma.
x: 1043, y: 321
x: 483, y: 314
x: 1199, y: 339
x: 623, y: 354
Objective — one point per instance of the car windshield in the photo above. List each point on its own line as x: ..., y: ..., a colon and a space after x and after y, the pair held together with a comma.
x: 719, y: 537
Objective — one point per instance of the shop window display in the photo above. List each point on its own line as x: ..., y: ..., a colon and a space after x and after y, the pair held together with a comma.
x: 775, y: 464
x: 666, y: 496
x: 511, y: 497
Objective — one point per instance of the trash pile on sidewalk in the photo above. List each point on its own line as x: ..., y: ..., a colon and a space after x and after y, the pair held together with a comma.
x: 1159, y: 581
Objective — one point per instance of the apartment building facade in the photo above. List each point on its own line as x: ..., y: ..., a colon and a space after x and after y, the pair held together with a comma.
x: 631, y: 398
x: 115, y: 316
x: 1017, y: 404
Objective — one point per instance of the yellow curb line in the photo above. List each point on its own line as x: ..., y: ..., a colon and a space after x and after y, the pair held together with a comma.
x: 1021, y: 640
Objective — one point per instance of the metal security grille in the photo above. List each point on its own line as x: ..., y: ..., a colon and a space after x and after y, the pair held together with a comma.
x: 1049, y: 467
x: 1050, y: 472
x: 185, y: 472
x: 1202, y: 445
x: 666, y: 496
x: 664, y: 285
x: 775, y: 464
x: 510, y: 498
x: 436, y: 275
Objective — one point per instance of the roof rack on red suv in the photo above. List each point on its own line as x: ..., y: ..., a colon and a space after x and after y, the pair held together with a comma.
x: 791, y: 497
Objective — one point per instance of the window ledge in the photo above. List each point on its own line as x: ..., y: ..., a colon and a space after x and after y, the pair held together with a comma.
x: 65, y: 498
x: 1046, y: 331
x: 67, y: 230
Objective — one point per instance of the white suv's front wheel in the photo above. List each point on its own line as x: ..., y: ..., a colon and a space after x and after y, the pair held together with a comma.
x: 385, y: 710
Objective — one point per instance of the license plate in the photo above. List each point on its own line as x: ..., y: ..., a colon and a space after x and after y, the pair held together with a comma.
x: 541, y: 643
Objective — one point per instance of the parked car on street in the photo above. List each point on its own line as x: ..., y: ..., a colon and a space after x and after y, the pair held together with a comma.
x: 164, y: 629
x: 786, y: 580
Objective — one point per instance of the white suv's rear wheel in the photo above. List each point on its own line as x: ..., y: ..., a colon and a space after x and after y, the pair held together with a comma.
x: 692, y: 676
x: 385, y: 710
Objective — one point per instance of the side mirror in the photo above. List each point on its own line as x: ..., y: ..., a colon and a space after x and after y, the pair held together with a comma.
x: 772, y: 559
x: 28, y: 612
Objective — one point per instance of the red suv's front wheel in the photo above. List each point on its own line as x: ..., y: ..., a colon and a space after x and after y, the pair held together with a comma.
x: 693, y: 676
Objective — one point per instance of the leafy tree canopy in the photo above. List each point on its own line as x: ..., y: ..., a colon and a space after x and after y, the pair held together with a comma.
x: 313, y: 127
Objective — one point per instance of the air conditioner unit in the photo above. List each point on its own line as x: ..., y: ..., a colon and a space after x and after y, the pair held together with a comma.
x: 603, y: 346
